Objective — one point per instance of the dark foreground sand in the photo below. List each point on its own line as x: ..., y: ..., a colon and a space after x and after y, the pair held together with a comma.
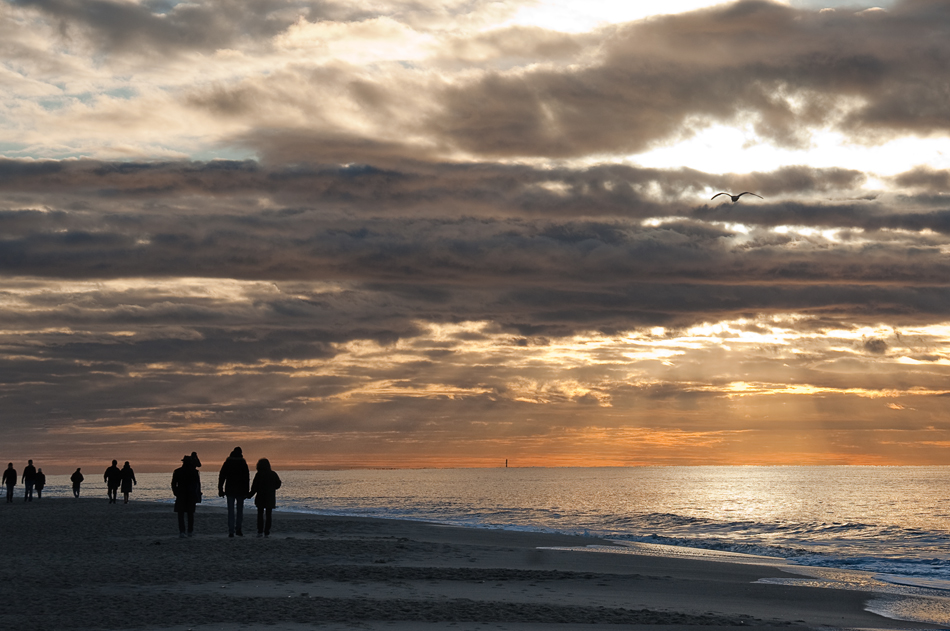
x: 86, y: 564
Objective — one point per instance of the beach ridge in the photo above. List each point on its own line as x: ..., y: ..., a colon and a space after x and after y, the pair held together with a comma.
x: 87, y: 564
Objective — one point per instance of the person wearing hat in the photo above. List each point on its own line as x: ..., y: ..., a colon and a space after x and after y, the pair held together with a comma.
x: 234, y: 484
x: 186, y: 485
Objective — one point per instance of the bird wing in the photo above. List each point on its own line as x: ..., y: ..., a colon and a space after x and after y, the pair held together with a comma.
x: 749, y: 193
x: 717, y: 195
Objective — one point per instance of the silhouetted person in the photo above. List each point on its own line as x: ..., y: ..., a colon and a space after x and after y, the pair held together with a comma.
x: 194, y: 456
x: 128, y: 479
x: 234, y: 484
x: 9, y: 479
x: 76, y: 478
x: 186, y: 485
x: 29, y: 479
x: 265, y: 485
x: 113, y: 479
x: 39, y: 483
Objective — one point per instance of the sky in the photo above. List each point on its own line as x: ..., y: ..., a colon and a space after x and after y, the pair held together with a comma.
x: 412, y: 233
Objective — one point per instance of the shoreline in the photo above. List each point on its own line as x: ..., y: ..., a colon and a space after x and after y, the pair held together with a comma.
x: 86, y: 564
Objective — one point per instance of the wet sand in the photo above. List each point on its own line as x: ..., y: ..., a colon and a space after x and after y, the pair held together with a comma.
x: 87, y: 564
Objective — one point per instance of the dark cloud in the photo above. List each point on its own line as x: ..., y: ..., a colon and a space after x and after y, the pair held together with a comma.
x: 875, y: 346
x: 171, y: 27
x: 478, y: 188
x: 931, y: 180
x: 513, y: 226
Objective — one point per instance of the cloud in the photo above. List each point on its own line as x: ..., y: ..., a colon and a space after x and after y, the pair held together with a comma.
x: 875, y: 346
x: 424, y: 88
x: 790, y: 71
x: 925, y: 179
x: 434, y: 218
x: 158, y: 27
x: 519, y: 255
x: 516, y: 227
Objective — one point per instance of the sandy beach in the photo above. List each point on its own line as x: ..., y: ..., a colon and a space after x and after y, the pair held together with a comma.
x: 86, y: 564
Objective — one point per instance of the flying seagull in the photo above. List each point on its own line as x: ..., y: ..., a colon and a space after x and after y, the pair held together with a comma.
x: 735, y: 198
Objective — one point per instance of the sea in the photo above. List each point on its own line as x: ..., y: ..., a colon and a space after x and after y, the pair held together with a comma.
x: 879, y: 529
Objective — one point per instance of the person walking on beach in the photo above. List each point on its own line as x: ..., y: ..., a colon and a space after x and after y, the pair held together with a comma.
x: 29, y: 479
x: 186, y: 485
x: 128, y: 479
x: 234, y: 484
x: 76, y: 478
x: 113, y: 479
x: 39, y: 483
x: 265, y: 485
x: 9, y: 479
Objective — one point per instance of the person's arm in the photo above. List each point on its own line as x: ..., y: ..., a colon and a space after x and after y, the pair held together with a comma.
x: 175, y: 483
x: 276, y: 481
x: 134, y: 481
x: 222, y: 476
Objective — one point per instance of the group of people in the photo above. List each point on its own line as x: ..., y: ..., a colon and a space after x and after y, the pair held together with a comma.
x: 33, y: 479
x: 234, y: 484
x: 114, y: 477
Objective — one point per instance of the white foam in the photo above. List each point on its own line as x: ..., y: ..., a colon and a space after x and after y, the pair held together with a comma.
x: 915, y: 581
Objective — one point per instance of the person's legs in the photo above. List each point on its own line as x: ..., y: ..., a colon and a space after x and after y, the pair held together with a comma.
x: 239, y: 516
x: 230, y: 499
x: 260, y: 521
x: 181, y: 524
x: 28, y: 491
x: 75, y: 491
x: 267, y: 513
x: 9, y: 494
x: 126, y: 498
x: 191, y: 522
x: 39, y: 493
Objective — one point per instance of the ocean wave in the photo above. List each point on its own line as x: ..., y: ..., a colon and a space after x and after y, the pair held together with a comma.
x: 758, y: 549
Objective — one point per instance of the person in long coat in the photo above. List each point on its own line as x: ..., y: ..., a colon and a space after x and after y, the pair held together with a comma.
x: 234, y: 483
x: 186, y: 485
x: 113, y: 479
x: 9, y: 480
x: 265, y: 485
x: 128, y: 480
x: 76, y: 478
x: 40, y: 483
